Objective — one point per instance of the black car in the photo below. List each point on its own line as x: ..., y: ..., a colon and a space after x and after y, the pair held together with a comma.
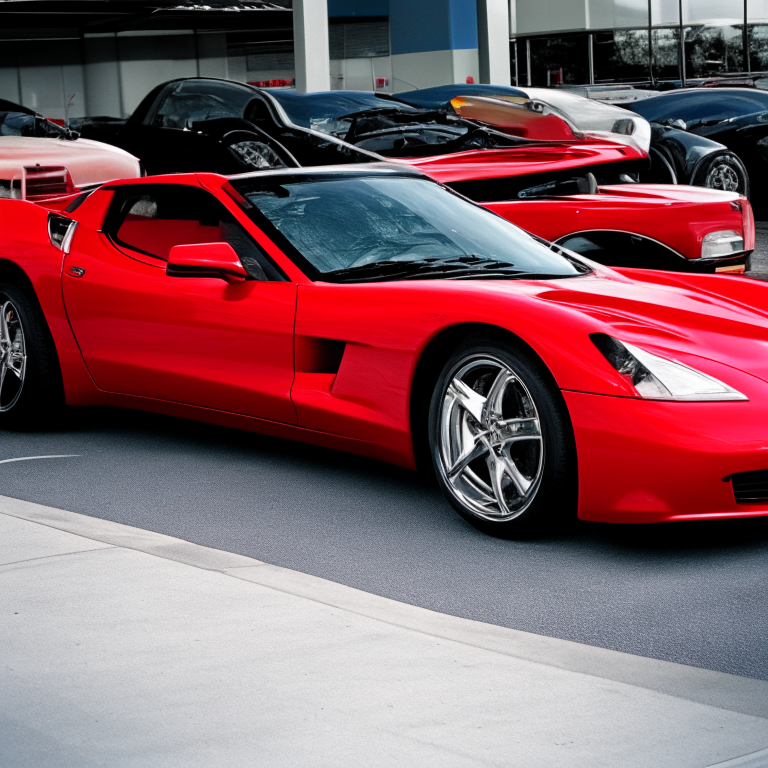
x: 202, y: 124
x: 677, y: 156
x: 735, y: 117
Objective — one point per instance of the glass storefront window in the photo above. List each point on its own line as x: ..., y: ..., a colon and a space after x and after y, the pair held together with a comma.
x: 666, y: 54
x: 561, y: 60
x: 665, y: 12
x: 758, y: 48
x: 613, y: 14
x: 714, y: 50
x: 757, y: 10
x: 620, y: 56
x: 705, y: 11
x: 518, y: 63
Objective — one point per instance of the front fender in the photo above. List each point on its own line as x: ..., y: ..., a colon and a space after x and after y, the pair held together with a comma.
x: 683, y: 150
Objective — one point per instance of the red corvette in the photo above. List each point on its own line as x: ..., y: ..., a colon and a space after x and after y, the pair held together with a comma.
x: 370, y: 309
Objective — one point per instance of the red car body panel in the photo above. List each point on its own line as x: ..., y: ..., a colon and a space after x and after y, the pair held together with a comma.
x: 524, y: 161
x: 678, y: 217
x: 334, y: 364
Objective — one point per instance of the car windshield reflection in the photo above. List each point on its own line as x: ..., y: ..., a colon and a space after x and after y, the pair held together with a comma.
x: 390, y: 227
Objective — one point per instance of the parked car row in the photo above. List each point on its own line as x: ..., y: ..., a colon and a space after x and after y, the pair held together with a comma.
x: 367, y: 308
x: 418, y: 280
x: 567, y: 170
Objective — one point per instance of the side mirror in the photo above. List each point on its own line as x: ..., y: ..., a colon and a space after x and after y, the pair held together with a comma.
x: 205, y: 260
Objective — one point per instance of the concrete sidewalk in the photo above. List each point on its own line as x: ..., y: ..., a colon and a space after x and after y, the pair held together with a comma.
x: 122, y: 647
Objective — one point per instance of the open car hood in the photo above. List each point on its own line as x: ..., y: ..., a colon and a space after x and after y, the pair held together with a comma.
x: 548, y: 115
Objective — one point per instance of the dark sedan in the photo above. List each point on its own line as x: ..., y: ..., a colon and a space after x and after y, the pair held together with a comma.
x: 734, y: 117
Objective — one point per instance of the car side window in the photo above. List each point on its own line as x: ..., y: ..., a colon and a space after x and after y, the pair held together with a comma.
x: 196, y: 100
x: 151, y: 219
x: 181, y: 110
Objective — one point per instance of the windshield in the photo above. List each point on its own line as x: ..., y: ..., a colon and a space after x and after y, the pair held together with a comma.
x: 362, y: 222
x: 20, y: 124
x: 322, y: 111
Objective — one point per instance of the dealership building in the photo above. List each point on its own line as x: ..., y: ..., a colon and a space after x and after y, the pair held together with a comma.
x: 100, y: 57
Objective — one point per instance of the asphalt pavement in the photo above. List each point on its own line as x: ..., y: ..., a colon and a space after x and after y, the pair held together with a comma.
x: 692, y: 593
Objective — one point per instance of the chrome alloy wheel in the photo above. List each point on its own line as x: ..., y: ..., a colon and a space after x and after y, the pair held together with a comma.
x: 722, y: 176
x: 491, y: 452
x: 13, y: 357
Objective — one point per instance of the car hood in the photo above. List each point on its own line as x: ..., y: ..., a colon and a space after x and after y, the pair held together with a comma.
x: 88, y: 162
x: 715, y: 323
x: 697, y: 319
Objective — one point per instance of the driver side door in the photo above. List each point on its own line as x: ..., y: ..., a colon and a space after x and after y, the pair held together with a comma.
x: 201, y: 341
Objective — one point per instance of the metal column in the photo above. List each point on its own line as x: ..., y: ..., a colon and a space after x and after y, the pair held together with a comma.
x: 310, y: 42
x: 493, y: 41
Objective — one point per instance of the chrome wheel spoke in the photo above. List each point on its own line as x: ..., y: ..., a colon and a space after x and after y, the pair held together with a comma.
x: 5, y: 334
x: 478, y: 450
x: 493, y: 403
x: 503, y: 466
x: 514, y: 430
x: 13, y: 356
x: 472, y: 402
x: 491, y: 443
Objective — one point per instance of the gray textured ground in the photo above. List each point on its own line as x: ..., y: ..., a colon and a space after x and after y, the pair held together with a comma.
x: 760, y: 254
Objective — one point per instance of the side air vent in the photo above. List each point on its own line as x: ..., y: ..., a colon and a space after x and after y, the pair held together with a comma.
x: 751, y: 487
x: 60, y: 231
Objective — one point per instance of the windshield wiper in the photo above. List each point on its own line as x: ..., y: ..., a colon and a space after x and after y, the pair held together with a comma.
x: 460, y: 267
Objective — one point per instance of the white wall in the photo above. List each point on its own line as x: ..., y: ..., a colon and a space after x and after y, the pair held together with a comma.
x: 550, y: 16
x: 148, y: 60
x: 102, y: 72
x: 109, y: 74
x: 42, y: 75
x: 423, y: 70
x: 212, y: 55
x: 361, y: 74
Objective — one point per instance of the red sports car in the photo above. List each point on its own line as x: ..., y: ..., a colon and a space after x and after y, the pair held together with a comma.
x: 370, y: 309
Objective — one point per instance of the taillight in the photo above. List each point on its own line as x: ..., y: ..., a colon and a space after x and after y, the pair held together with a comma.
x: 60, y: 231
x: 47, y: 181
x: 748, y: 221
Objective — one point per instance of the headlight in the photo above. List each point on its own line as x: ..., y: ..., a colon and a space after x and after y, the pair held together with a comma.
x: 657, y: 378
x: 724, y: 242
x: 257, y: 155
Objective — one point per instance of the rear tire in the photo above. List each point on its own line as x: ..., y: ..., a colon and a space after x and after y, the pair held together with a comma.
x: 501, y: 441
x: 31, y: 390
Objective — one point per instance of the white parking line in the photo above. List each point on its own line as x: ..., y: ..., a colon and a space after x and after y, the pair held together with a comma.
x: 32, y: 458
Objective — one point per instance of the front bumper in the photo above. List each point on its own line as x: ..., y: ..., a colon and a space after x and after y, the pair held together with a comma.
x: 738, y: 264
x: 642, y: 461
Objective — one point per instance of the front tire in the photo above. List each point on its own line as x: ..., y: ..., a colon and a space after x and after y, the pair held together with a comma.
x: 31, y: 391
x: 725, y: 172
x: 501, y: 441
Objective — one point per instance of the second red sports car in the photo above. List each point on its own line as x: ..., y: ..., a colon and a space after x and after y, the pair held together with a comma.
x: 371, y: 309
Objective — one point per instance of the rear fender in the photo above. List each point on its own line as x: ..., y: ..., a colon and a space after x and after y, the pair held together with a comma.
x: 28, y: 257
x: 677, y: 217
